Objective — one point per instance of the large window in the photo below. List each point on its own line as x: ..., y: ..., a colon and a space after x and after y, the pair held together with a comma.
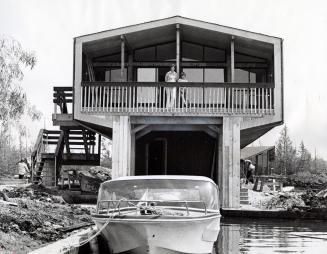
x: 250, y: 75
x: 163, y: 52
x: 196, y: 52
x: 205, y: 74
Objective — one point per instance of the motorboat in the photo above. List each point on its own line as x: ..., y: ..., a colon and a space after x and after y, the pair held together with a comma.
x: 158, y: 214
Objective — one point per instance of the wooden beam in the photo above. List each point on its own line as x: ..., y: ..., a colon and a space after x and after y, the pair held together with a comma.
x: 66, y: 136
x: 177, y: 128
x: 166, y: 64
x: 85, y: 145
x: 122, y: 57
x: 139, y: 128
x: 177, y: 50
x: 232, y: 59
x: 175, y: 120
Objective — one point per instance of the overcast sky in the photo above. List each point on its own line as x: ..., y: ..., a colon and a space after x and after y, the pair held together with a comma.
x: 48, y: 27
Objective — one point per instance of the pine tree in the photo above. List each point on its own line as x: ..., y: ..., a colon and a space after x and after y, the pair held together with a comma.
x: 285, y: 153
x: 304, y: 160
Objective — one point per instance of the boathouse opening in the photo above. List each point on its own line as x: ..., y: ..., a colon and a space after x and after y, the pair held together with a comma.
x: 176, y: 153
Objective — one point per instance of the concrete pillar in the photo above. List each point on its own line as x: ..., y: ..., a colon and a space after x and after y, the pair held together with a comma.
x: 122, y: 152
x: 229, y: 163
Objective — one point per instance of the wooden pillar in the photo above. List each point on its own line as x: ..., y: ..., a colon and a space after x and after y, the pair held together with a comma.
x: 177, y: 50
x: 130, y: 67
x: 232, y: 61
x: 229, y: 163
x: 122, y: 57
x: 121, y: 146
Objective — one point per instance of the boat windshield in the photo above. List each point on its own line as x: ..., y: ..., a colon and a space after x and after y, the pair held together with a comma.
x: 196, y: 192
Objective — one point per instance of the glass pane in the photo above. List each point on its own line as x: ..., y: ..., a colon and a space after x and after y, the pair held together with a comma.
x: 146, y: 54
x: 146, y: 93
x: 239, y: 58
x: 193, y: 74
x: 146, y: 74
x: 214, y: 75
x: 166, y: 52
x: 214, y: 55
x: 241, y: 76
x: 260, y: 75
x: 191, y: 52
x: 107, y: 76
x: 197, y: 192
x: 253, y: 77
x: 115, y: 75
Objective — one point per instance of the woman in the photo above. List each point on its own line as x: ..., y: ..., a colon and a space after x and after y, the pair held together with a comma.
x: 171, y: 76
x: 183, y: 89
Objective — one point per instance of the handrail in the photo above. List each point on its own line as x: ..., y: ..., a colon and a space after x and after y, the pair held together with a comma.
x: 180, y: 84
x: 182, y: 98
x: 58, y: 155
x: 129, y: 201
x: 61, y: 97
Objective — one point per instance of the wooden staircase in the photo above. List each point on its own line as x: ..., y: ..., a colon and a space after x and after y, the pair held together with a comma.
x: 55, y: 148
x: 244, y: 196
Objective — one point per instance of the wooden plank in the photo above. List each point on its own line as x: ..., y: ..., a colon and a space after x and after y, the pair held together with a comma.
x: 174, y: 120
x: 178, y: 84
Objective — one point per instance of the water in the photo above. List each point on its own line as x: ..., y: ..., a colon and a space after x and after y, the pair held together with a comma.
x: 271, y: 236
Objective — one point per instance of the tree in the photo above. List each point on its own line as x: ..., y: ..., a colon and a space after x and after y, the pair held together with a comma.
x: 106, y: 159
x: 285, y: 153
x: 304, y: 158
x: 13, y: 58
x: 13, y: 102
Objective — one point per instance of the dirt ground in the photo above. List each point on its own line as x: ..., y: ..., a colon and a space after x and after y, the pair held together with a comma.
x: 36, y: 216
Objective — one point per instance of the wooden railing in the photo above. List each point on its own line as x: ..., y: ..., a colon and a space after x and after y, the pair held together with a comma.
x: 62, y: 98
x: 162, y: 98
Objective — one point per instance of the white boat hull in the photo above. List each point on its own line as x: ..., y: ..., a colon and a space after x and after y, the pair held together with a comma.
x: 160, y: 235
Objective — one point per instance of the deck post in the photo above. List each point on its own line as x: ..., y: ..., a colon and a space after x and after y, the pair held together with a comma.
x: 232, y: 60
x: 121, y: 146
x: 229, y: 163
x: 122, y: 57
x: 177, y: 50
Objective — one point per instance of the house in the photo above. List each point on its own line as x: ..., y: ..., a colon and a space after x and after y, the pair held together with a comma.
x: 233, y: 96
x: 262, y: 157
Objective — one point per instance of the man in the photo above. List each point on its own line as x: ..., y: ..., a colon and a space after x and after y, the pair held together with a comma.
x: 22, y: 169
x: 171, y: 76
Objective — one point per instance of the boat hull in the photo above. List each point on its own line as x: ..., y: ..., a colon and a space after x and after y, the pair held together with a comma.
x: 161, y: 236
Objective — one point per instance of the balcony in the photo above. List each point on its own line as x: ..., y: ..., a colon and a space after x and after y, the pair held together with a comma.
x: 177, y: 99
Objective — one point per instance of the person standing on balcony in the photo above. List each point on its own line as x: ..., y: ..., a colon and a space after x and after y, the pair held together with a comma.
x: 183, y: 89
x: 171, y: 76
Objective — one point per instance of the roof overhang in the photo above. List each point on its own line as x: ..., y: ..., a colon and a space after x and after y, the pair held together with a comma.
x: 164, y: 30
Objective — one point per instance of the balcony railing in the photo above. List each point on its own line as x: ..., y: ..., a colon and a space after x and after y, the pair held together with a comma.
x: 161, y: 98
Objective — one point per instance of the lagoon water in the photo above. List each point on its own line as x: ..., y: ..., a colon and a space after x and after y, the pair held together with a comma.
x: 271, y: 236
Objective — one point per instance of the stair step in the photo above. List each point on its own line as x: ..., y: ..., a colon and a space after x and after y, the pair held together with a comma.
x: 242, y: 202
x: 244, y: 198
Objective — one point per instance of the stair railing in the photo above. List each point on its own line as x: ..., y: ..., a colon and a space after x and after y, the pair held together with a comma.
x: 38, y: 149
x: 59, y: 155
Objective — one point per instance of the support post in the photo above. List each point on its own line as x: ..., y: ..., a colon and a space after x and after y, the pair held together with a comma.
x: 232, y: 60
x: 121, y: 146
x: 122, y: 57
x: 229, y: 163
x: 177, y: 50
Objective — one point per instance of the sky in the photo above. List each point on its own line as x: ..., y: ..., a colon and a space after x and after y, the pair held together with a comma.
x: 48, y: 28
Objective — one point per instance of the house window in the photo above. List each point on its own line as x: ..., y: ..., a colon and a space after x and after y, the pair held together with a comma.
x: 250, y: 75
x: 166, y: 52
x: 145, y: 54
x: 191, y: 52
x: 113, y: 75
x: 215, y: 75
